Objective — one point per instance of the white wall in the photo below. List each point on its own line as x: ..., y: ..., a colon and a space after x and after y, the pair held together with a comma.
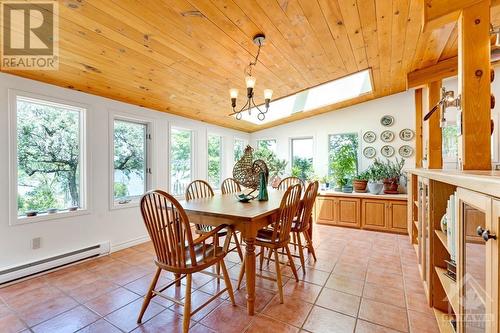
x: 120, y: 226
x: 358, y: 118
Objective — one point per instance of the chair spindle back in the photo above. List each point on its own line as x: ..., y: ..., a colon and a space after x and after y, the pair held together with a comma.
x: 307, y: 205
x: 230, y: 185
x: 199, y: 189
x: 289, y: 181
x: 287, y: 212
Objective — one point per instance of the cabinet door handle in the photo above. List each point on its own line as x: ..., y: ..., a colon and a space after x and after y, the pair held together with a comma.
x: 485, y: 234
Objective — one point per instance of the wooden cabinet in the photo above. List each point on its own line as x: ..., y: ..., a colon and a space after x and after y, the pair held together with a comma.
x: 347, y: 212
x: 384, y: 215
x: 324, y: 210
x: 362, y: 211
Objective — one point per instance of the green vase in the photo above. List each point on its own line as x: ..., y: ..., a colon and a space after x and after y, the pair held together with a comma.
x: 263, y: 195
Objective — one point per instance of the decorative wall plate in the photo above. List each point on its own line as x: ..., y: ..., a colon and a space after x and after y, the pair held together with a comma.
x: 387, y: 120
x: 369, y: 137
x: 387, y: 136
x: 387, y: 151
x: 405, y: 151
x: 406, y: 134
x: 369, y: 152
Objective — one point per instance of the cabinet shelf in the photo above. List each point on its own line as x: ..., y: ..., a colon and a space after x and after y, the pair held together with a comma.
x: 450, y: 288
x: 443, y: 321
x: 443, y: 238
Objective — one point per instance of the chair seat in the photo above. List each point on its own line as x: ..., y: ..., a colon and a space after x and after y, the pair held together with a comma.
x: 265, y: 238
x: 221, y: 233
x: 204, y: 255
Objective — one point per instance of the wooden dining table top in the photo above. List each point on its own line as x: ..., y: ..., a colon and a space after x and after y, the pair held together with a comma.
x: 227, y: 205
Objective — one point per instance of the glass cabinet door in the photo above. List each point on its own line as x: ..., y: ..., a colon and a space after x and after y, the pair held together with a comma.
x: 475, y: 243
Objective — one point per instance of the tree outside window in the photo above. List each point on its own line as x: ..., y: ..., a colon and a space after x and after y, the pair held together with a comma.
x: 214, y: 160
x: 129, y: 159
x: 180, y: 160
x: 345, y: 144
x: 49, y: 156
x: 239, y: 149
x: 302, y: 158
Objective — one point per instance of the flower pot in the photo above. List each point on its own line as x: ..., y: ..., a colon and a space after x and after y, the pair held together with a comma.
x: 375, y: 188
x: 347, y: 189
x: 391, y: 185
x: 338, y: 189
x: 360, y: 185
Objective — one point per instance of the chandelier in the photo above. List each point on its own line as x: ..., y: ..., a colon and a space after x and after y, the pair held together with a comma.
x: 250, y: 84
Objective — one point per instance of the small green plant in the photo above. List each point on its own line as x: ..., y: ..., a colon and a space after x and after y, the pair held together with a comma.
x: 344, y: 165
x: 394, y: 169
x: 377, y: 171
x: 365, y: 175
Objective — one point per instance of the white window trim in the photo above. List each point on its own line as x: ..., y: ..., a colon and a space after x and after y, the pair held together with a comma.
x: 85, y: 170
x: 150, y: 157
x: 193, y: 155
x: 221, y: 158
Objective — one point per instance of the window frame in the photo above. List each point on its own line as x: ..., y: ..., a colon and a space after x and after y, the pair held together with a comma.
x: 85, y: 163
x: 221, y: 159
x: 169, y: 155
x: 290, y: 149
x: 149, y: 180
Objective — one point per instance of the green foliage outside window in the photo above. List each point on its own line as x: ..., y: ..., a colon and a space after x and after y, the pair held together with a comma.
x: 48, y: 156
x: 180, y: 160
x: 214, y: 160
x: 343, y: 156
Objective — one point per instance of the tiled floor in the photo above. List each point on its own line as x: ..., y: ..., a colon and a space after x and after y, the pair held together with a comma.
x: 362, y: 282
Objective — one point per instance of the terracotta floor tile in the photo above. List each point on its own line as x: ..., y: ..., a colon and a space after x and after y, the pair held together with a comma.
x: 422, y: 323
x: 167, y: 321
x: 92, y: 290
x: 418, y: 302
x: 351, y: 271
x: 213, y: 288
x: 10, y: 323
x: 262, y: 298
x: 322, y: 265
x: 262, y: 324
x: 100, y: 262
x: 111, y: 301
x: 322, y: 320
x: 33, y: 297
x: 293, y: 311
x: 123, y: 253
x: 125, y: 318
x: 338, y: 301
x: 141, y: 285
x: 227, y: 319
x: 74, y: 280
x: 37, y: 313
x: 313, y: 276
x: 305, y: 291
x: 384, y: 294
x: 100, y: 326
x: 366, y: 327
x: 345, y: 284
x: 384, y: 314
x: 15, y: 290
x: 414, y: 286
x: 385, y: 279
x: 69, y: 321
x: 199, y: 328
x: 198, y: 298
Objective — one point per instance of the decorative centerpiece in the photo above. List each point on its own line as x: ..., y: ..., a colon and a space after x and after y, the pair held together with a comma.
x: 252, y: 175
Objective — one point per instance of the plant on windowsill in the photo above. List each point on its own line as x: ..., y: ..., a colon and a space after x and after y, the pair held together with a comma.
x: 393, y: 173
x: 344, y: 166
x: 360, y: 182
x: 376, y: 173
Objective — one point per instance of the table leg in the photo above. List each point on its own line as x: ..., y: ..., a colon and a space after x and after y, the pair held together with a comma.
x: 250, y: 273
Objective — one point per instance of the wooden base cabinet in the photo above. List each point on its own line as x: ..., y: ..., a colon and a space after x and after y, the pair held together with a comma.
x: 366, y: 213
x: 338, y: 211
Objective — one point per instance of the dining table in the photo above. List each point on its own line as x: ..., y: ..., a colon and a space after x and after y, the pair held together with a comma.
x: 246, y: 217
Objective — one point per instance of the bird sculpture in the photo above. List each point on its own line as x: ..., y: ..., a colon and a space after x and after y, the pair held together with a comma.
x: 247, y: 171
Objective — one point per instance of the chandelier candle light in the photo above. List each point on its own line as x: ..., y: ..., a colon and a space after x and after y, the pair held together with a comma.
x: 250, y: 84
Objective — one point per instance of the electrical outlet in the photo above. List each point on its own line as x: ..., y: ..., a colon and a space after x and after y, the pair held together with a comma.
x: 36, y: 243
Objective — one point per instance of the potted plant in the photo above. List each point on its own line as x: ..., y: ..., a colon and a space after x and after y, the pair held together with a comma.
x: 326, y: 181
x: 393, y: 175
x: 376, y: 172
x: 344, y: 168
x: 360, y: 182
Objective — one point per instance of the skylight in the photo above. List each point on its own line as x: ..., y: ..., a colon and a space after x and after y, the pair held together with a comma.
x: 332, y: 92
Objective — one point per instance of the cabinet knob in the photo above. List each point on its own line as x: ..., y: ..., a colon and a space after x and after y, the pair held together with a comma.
x: 485, y: 234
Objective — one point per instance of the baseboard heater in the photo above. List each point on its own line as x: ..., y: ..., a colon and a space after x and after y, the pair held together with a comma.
x: 18, y: 272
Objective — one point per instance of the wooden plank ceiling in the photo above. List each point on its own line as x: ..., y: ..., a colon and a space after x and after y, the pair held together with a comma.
x: 182, y: 56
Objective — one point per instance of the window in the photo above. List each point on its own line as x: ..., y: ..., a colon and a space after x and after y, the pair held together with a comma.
x: 450, y: 143
x: 50, y: 157
x: 239, y: 149
x: 130, y: 160
x: 339, y: 90
x: 267, y: 145
x: 302, y: 158
x: 181, y: 142
x: 346, y: 146
x: 214, y: 160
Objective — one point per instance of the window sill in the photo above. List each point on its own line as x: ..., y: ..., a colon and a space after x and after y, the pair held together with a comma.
x: 48, y: 217
x: 132, y: 204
